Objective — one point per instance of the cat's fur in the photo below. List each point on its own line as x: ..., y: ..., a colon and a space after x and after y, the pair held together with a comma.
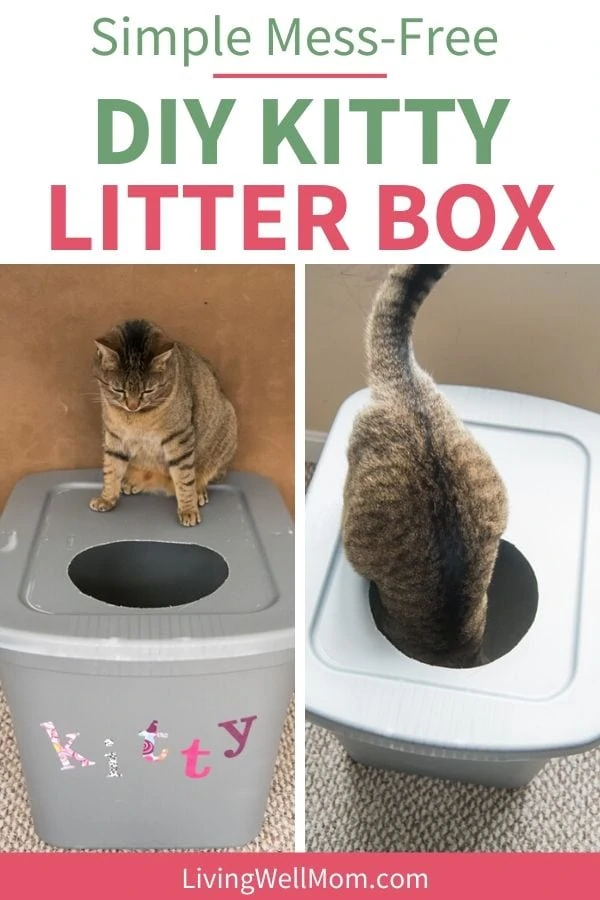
x: 424, y: 507
x: 168, y: 426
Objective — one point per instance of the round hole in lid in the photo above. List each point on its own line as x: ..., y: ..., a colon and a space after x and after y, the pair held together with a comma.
x: 148, y: 574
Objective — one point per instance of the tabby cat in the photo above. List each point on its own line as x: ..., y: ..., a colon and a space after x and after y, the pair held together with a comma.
x: 168, y: 426
x: 424, y: 507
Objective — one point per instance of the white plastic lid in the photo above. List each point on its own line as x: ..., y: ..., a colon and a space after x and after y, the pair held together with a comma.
x: 539, y: 696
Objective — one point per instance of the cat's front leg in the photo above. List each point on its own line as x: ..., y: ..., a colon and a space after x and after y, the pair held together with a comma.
x: 115, y: 466
x: 182, y: 470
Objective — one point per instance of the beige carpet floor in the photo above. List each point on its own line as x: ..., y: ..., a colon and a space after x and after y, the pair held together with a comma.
x: 350, y: 807
x: 16, y: 827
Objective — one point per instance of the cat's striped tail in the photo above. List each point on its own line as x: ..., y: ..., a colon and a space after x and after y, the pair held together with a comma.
x: 389, y: 331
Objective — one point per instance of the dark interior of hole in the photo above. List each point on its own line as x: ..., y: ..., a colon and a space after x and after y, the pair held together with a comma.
x: 148, y: 574
x: 512, y: 602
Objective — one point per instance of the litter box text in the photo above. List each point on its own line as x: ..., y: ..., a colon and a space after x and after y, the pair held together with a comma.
x: 318, y: 213
x: 195, y: 755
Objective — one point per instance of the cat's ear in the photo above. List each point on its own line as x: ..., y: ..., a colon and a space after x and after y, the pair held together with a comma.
x: 107, y: 355
x: 162, y: 357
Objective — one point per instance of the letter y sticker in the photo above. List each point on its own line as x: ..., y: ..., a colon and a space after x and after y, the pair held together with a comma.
x: 240, y: 737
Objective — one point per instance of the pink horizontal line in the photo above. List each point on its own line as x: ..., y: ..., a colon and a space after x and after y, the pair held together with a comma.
x: 299, y: 75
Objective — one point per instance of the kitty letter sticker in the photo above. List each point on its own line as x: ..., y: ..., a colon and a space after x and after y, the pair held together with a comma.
x: 152, y: 748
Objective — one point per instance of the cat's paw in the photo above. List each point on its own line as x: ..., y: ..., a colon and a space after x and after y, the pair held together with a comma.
x: 189, y: 517
x: 202, y: 496
x: 100, y: 504
x: 129, y: 487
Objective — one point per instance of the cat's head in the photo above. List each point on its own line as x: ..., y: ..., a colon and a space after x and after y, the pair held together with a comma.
x: 134, y: 365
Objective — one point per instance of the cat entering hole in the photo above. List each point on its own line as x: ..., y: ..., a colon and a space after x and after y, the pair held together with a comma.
x: 168, y: 426
x: 424, y: 507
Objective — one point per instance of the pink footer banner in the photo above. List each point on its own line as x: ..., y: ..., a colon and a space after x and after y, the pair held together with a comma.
x: 196, y: 875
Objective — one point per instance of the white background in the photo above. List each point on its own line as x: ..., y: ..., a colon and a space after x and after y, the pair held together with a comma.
x: 546, y: 63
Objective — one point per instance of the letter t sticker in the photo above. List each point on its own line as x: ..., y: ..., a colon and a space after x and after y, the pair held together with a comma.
x: 150, y: 735
x: 191, y: 754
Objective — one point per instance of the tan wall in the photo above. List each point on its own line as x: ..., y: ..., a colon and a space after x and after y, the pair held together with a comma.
x: 240, y: 317
x: 532, y: 329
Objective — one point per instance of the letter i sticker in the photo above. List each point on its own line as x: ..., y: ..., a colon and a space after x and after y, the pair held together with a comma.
x: 150, y: 736
x: 113, y: 762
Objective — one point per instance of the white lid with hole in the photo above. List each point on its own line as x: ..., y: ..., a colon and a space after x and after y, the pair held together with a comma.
x: 541, y: 695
